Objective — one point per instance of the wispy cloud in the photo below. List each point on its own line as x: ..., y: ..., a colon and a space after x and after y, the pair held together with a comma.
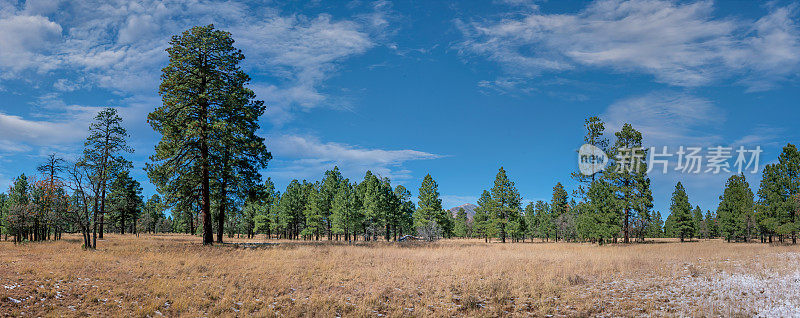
x: 667, y: 118
x: 120, y: 45
x: 680, y: 44
x: 308, y: 157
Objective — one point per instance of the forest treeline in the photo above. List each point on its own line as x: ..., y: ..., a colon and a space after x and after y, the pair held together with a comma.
x: 206, y: 169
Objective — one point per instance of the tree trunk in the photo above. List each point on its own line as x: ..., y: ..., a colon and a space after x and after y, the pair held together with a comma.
x: 94, y: 225
x: 222, y: 205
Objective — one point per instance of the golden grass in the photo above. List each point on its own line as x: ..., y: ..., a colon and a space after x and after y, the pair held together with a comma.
x: 174, y: 275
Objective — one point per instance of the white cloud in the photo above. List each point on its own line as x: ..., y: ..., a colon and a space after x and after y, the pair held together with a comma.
x: 305, y: 51
x: 28, y: 42
x: 679, y: 44
x: 308, y: 157
x: 119, y: 45
x: 50, y: 123
x: 15, y: 130
x: 667, y: 118
x: 764, y: 136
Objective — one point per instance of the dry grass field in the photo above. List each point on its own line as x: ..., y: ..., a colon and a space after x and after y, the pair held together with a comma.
x: 174, y: 275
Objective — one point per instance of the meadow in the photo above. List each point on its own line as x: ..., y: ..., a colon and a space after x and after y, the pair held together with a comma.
x: 174, y: 275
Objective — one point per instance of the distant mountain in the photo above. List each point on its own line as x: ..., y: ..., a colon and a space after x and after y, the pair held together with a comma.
x: 469, y: 208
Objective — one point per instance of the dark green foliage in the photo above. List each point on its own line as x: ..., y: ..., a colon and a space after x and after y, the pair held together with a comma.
x: 207, y: 123
x: 697, y: 221
x: 482, y: 220
x: 735, y: 213
x: 462, y: 224
x: 429, y: 216
x: 506, y: 207
x: 629, y: 180
x: 126, y: 202
x: 680, y: 210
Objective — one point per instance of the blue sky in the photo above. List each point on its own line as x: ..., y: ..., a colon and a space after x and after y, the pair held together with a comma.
x: 414, y: 87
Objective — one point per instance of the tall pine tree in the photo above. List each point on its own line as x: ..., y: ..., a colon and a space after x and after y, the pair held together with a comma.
x: 681, y: 211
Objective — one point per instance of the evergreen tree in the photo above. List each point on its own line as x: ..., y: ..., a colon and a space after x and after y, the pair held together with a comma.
x: 102, y: 154
x: 328, y: 189
x: 777, y: 206
x: 710, y: 223
x: 205, y: 108
x: 697, y: 221
x: 669, y: 227
x: 627, y: 175
x: 405, y: 211
x: 656, y: 228
x: 291, y: 208
x: 429, y: 216
x: 126, y: 201
x: 4, y: 229
x: 379, y: 205
x: 314, y: 224
x: 681, y: 210
x: 595, y: 128
x: 153, y: 213
x: 482, y: 220
x: 507, y: 203
x: 559, y: 211
x: 237, y: 152
x: 600, y: 222
x: 736, y: 209
x: 260, y: 209
x: 461, y: 228
x: 770, y: 202
x: 545, y: 220
x: 347, y: 214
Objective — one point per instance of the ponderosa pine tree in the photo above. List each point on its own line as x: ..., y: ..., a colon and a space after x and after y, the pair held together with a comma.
x: 681, y: 210
x: 291, y: 208
x: 379, y: 204
x: 102, y: 153
x: 529, y: 214
x: 261, y: 211
x: 328, y: 189
x: 482, y: 220
x: 780, y: 185
x: 669, y: 227
x: 346, y: 215
x: 3, y: 215
x: 153, y: 213
x: 735, y: 213
x: 595, y: 128
x: 507, y: 203
x: 559, y: 209
x: 627, y: 175
x: 429, y: 216
x: 200, y: 86
x: 126, y: 201
x: 237, y: 152
x: 314, y: 222
x: 48, y: 215
x: 405, y: 211
x: 789, y: 162
x: 461, y: 227
x: 697, y: 221
x: 19, y: 207
x: 656, y: 228
x: 770, y: 203
x: 710, y: 223
x: 600, y: 221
